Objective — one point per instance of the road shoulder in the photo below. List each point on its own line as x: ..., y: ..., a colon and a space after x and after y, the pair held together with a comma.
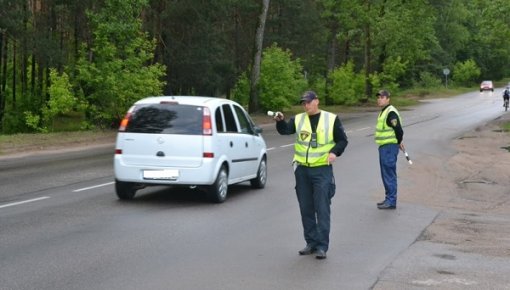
x: 468, y: 244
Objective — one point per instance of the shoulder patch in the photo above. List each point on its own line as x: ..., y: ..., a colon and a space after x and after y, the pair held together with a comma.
x: 394, y: 122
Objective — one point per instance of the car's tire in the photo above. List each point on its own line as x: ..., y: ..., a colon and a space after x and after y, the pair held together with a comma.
x: 260, y: 180
x: 217, y: 192
x: 125, y: 190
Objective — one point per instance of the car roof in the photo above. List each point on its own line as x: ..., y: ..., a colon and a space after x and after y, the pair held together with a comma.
x: 187, y: 100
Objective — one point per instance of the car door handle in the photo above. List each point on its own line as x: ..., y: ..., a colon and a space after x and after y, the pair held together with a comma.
x: 231, y: 144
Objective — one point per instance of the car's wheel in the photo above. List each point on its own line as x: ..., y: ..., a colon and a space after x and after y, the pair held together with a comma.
x: 125, y: 190
x: 260, y: 180
x: 218, y: 190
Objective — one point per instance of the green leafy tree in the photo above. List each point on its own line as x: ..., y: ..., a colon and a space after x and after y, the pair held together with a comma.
x: 241, y: 91
x: 347, y: 86
x: 281, y: 79
x: 61, y: 101
x: 466, y: 73
x: 428, y: 80
x: 489, y: 43
x: 394, y: 68
x: 116, y: 70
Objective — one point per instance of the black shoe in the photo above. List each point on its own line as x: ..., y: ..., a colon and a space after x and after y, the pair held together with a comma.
x: 321, y: 255
x: 381, y: 203
x: 386, y: 206
x: 308, y: 250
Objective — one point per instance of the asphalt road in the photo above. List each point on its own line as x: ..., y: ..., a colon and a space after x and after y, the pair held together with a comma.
x: 62, y: 227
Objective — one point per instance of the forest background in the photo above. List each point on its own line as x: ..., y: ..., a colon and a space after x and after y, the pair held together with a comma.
x: 78, y: 65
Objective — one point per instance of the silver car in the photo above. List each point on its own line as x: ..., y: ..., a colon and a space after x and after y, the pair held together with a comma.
x: 202, y: 142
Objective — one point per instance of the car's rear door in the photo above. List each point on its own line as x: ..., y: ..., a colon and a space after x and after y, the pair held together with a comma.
x: 227, y: 139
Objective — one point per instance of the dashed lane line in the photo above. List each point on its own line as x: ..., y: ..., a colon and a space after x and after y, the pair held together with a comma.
x: 92, y: 187
x: 24, y: 201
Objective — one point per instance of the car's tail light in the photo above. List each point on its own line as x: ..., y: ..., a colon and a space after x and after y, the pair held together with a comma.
x: 118, y: 151
x: 124, y: 122
x: 206, y: 122
x: 208, y: 155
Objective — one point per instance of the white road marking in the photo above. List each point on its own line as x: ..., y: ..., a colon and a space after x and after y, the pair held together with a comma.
x: 361, y: 129
x: 24, y: 201
x: 287, y: 145
x: 92, y: 187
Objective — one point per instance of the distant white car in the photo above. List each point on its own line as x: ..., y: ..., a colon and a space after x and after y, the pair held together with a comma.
x: 188, y: 141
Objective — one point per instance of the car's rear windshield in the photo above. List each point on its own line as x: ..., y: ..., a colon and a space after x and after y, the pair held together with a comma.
x: 166, y: 119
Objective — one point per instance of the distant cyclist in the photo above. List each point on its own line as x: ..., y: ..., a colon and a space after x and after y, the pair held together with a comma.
x: 506, y: 95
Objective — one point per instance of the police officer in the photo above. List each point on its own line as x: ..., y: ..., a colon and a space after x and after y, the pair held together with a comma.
x: 320, y: 139
x: 388, y: 135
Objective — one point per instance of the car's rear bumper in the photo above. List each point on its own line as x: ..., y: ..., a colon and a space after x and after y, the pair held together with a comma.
x: 203, y: 175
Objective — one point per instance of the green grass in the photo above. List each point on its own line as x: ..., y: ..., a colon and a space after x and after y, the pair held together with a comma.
x: 506, y: 127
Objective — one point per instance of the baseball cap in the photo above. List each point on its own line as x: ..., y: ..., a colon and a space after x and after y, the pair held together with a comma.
x: 383, y: 93
x: 308, y: 96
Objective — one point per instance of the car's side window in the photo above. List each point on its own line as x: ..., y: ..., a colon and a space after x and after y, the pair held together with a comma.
x: 243, y: 121
x: 230, y: 121
x: 218, y: 116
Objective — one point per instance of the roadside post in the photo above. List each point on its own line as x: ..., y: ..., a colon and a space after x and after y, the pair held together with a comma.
x: 446, y: 72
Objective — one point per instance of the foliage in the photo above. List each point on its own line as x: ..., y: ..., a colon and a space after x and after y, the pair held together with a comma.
x: 393, y: 69
x: 241, y: 91
x: 115, y: 52
x: 347, y: 86
x: 281, y: 80
x: 61, y: 101
x: 466, y: 73
x: 428, y: 80
x: 117, y: 74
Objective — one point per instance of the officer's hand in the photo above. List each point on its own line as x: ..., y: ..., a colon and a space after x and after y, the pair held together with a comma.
x: 331, y: 158
x: 279, y: 116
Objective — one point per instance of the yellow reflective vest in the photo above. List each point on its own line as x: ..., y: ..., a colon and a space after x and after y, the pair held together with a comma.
x: 304, y: 153
x: 385, y: 134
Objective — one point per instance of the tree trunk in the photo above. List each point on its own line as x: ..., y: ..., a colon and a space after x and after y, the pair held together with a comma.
x: 14, y: 80
x: 24, y: 53
x: 367, y: 56
x: 368, y: 62
x: 255, y: 71
x: 3, y: 75
x: 332, y: 59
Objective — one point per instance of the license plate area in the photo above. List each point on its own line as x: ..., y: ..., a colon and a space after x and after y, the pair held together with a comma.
x: 164, y: 174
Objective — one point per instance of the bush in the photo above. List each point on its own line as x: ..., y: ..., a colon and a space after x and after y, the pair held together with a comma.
x: 348, y: 87
x: 428, y: 80
x: 281, y: 81
x: 466, y: 73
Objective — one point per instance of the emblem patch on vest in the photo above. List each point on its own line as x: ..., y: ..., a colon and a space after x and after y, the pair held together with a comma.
x: 303, y: 135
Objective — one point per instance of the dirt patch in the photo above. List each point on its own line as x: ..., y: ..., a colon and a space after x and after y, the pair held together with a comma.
x: 472, y: 190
